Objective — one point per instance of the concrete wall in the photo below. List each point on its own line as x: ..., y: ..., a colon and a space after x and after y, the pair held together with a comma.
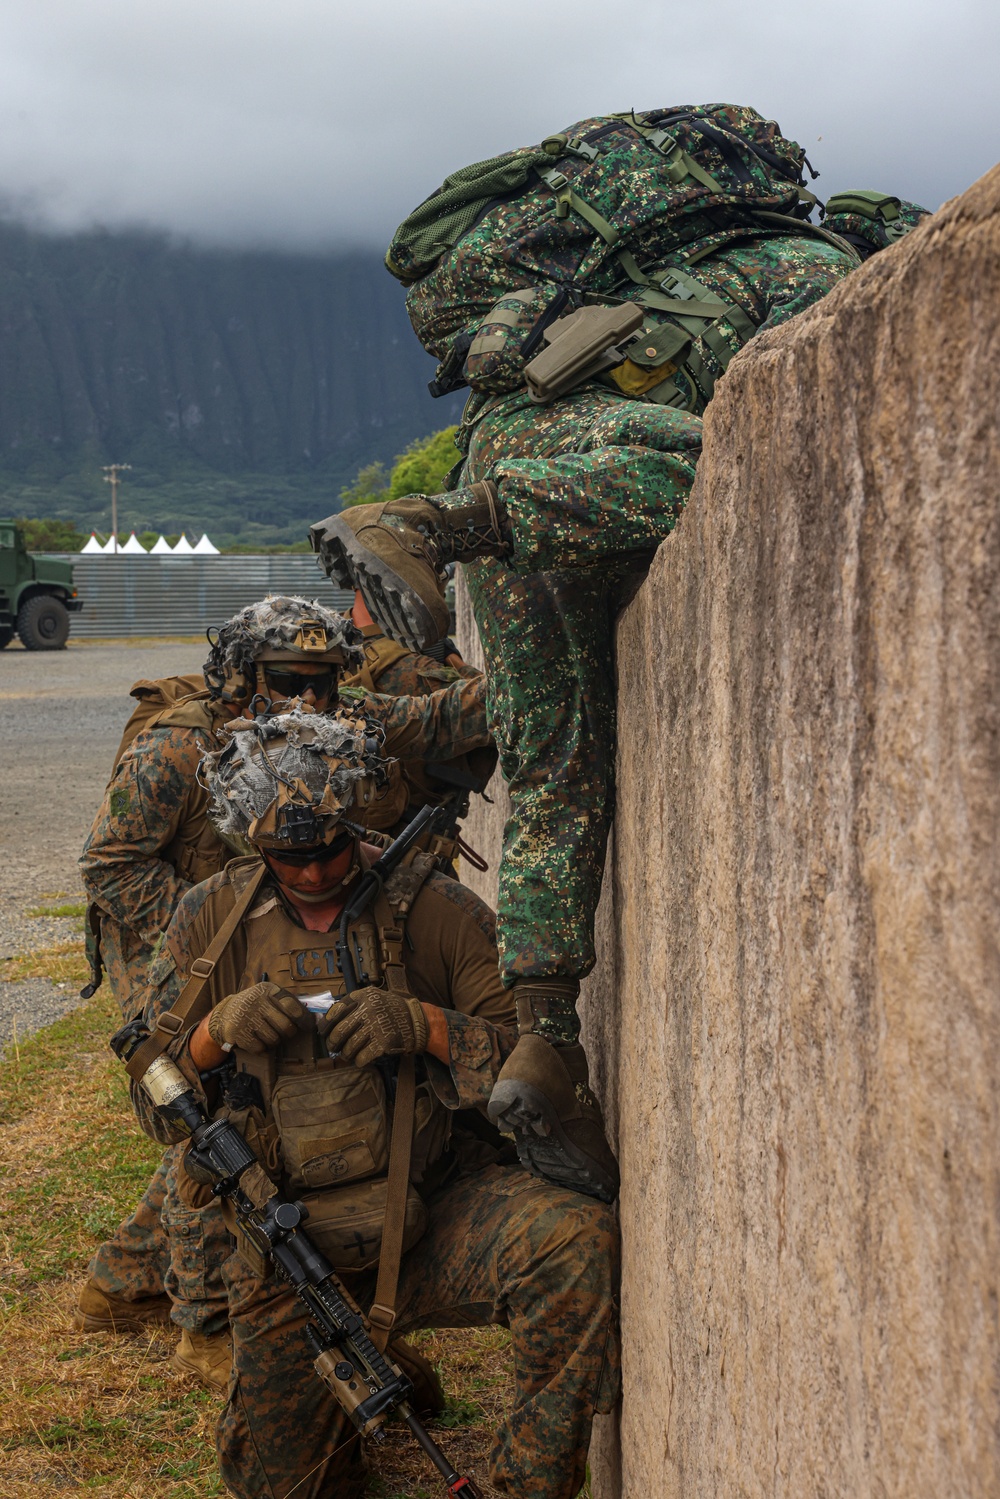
x: 796, y: 1016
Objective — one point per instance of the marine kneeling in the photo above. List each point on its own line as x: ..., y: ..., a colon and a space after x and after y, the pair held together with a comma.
x: 327, y: 1079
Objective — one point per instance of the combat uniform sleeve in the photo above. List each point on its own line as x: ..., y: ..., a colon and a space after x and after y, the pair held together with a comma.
x: 201, y: 911
x: 438, y: 726
x: 147, y: 800
x: 454, y: 965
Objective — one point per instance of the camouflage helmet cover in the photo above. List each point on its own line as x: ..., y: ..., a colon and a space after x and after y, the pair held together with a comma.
x: 287, y: 779
x: 280, y: 627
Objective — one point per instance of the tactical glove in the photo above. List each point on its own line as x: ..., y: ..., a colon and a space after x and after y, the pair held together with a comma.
x: 373, y: 1023
x: 255, y: 1019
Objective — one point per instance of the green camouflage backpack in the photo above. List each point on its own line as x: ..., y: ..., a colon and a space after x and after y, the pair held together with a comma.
x: 616, y: 207
x: 870, y: 221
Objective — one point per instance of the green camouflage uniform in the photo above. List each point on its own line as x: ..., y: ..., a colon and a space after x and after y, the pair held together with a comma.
x: 152, y: 825
x: 592, y: 484
x: 501, y: 1247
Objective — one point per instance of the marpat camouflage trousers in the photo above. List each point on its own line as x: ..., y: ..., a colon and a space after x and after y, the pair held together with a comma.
x: 166, y: 1245
x: 501, y: 1247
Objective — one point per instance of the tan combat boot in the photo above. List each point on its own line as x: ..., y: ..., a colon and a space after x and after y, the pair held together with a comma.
x: 98, y: 1311
x: 543, y: 1099
x: 394, y: 552
x: 208, y: 1357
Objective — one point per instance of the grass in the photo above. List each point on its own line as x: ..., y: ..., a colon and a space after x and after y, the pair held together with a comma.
x: 107, y: 1416
x: 65, y: 963
x: 79, y: 910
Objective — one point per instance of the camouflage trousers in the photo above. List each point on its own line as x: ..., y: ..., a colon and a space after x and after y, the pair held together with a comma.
x: 591, y: 483
x: 168, y: 1246
x: 592, y: 486
x: 501, y: 1247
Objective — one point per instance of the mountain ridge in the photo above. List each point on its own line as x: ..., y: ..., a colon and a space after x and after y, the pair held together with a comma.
x: 246, y: 388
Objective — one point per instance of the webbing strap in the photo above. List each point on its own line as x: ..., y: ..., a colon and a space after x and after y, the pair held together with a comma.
x: 567, y: 199
x: 802, y: 226
x: 382, y: 1315
x: 679, y: 163
x: 188, y: 1006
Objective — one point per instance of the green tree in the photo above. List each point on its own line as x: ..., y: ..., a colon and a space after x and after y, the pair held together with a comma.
x: 422, y: 469
x: 371, y: 485
x: 49, y: 535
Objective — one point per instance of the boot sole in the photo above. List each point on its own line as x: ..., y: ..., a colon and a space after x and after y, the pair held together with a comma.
x: 391, y: 601
x: 543, y: 1147
x: 196, y: 1372
x: 88, y: 1322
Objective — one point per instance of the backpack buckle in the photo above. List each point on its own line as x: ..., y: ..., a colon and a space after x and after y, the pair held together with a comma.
x: 671, y: 287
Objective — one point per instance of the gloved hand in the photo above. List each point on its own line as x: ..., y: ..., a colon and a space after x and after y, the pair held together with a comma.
x: 255, y: 1019
x: 373, y: 1023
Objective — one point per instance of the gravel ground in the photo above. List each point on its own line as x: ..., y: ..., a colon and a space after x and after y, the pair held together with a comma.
x: 62, y: 714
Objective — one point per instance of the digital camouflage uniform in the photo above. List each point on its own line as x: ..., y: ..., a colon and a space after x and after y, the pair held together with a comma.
x: 501, y: 1247
x: 151, y: 840
x: 592, y: 484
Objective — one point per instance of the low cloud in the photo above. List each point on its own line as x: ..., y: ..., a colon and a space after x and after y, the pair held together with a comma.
x: 311, y: 124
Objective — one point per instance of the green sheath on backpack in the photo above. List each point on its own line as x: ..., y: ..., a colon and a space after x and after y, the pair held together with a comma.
x: 618, y: 207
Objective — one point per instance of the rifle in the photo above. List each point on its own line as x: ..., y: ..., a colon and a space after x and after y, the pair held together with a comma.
x: 371, y: 883
x: 366, y: 1385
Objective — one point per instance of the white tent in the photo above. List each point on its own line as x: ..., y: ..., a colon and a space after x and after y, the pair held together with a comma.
x: 93, y: 545
x: 109, y: 546
x: 204, y: 548
x: 160, y: 545
x: 183, y: 548
x: 133, y: 547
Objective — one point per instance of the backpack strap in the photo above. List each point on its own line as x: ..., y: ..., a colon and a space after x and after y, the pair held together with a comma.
x: 380, y: 654
x: 189, y: 1004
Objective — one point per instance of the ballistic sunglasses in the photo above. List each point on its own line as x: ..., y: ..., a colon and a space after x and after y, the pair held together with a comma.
x: 321, y: 854
x: 322, y: 680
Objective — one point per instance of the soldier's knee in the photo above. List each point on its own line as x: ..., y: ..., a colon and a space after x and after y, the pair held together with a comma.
x: 576, y: 1246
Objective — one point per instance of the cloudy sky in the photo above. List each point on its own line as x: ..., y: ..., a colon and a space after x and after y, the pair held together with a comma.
x: 316, y: 123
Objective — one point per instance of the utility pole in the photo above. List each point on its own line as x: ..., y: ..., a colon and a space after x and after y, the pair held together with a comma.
x: 111, y: 477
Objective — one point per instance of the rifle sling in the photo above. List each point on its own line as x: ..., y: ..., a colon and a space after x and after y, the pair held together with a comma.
x: 383, y: 1309
x: 189, y: 1007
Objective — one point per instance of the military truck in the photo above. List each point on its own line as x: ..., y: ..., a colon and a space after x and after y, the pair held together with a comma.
x: 37, y: 595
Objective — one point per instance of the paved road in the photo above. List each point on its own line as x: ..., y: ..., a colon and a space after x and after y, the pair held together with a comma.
x: 62, y: 714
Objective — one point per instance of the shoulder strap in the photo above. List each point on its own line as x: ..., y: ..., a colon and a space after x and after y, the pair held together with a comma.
x: 189, y: 1003
x: 382, y: 1315
x: 380, y: 654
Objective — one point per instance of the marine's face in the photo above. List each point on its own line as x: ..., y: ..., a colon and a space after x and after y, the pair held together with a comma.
x: 314, y: 682
x: 316, y: 878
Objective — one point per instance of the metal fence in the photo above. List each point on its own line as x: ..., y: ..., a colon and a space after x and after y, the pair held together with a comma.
x: 183, y: 595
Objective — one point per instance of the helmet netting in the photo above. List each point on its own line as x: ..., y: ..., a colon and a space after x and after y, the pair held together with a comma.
x: 274, y: 621
x: 298, y: 757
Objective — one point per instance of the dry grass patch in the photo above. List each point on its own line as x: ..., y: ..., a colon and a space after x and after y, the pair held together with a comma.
x: 108, y: 1416
x: 64, y: 963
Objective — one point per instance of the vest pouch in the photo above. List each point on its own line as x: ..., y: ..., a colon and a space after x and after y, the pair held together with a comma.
x: 332, y: 1125
x: 346, y: 1224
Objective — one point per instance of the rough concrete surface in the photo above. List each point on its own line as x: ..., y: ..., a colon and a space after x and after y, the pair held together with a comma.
x: 63, y: 713
x: 796, y: 1016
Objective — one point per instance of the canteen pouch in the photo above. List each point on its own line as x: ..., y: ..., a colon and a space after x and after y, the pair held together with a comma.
x: 332, y: 1125
x: 346, y: 1224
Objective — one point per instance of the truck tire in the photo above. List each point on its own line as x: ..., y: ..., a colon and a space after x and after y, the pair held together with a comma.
x: 6, y: 635
x: 43, y: 623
